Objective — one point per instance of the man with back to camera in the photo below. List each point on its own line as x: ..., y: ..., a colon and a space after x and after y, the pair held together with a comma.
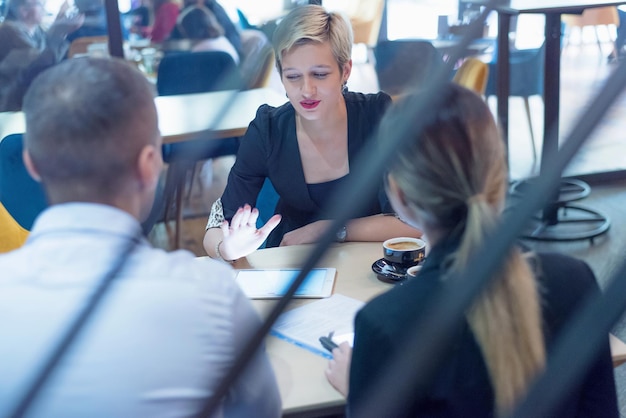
x: 170, y: 326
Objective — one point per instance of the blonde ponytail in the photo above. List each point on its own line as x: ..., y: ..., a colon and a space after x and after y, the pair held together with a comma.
x: 506, y: 318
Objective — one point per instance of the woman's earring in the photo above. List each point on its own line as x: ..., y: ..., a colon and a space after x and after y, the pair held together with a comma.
x: 344, y: 87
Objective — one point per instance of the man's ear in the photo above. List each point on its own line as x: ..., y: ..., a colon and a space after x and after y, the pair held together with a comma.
x: 30, y: 166
x: 149, y: 165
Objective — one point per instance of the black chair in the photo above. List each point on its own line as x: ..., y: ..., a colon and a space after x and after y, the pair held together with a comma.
x: 526, y: 79
x: 197, y: 72
x: 186, y: 73
x: 402, y: 65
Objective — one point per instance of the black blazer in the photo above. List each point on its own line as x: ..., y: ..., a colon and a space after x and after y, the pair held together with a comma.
x: 461, y: 387
x: 270, y: 150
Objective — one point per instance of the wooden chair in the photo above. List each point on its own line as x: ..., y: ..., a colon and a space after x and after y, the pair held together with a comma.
x: 473, y: 74
x: 366, y: 20
x: 80, y: 45
x: 257, y: 59
x: 597, y: 16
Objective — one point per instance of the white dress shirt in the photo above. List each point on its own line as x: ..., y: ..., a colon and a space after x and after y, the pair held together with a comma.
x: 159, y: 343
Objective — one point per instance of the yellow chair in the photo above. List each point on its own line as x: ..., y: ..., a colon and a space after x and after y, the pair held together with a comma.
x: 473, y: 74
x: 12, y: 235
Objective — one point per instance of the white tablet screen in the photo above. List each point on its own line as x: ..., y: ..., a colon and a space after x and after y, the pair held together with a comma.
x: 273, y: 283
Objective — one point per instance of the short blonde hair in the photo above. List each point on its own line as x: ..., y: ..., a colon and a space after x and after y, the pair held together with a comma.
x: 313, y: 24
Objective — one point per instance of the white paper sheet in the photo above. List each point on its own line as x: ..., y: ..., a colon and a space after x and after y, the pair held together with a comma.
x: 304, y: 326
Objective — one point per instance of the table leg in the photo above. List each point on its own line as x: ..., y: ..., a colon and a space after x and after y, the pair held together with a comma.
x: 503, y: 66
x: 576, y: 222
x: 551, y: 95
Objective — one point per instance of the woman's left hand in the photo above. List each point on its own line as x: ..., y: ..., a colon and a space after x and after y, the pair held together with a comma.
x: 338, y: 371
x: 307, y: 234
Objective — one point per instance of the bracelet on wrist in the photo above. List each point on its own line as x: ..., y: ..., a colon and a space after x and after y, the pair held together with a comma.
x: 218, y: 255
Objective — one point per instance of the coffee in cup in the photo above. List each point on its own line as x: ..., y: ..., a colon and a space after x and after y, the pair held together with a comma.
x: 404, y: 251
x: 413, y: 271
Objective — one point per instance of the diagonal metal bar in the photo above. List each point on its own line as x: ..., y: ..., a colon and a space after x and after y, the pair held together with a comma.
x: 370, y: 166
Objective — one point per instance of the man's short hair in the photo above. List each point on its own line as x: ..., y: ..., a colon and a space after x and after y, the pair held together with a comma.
x: 87, y: 119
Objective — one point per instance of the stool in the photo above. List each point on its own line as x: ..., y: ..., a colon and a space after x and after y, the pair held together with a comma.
x: 560, y: 220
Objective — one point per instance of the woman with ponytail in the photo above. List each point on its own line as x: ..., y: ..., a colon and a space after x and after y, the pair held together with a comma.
x: 450, y: 181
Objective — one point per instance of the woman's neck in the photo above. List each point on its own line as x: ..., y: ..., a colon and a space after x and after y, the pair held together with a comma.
x: 327, y: 126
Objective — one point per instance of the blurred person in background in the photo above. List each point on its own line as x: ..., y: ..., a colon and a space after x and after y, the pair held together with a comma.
x: 165, y: 16
x: 95, y: 23
x: 199, y: 24
x: 26, y: 48
x: 230, y: 30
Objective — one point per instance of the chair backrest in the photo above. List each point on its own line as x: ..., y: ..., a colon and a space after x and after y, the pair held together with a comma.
x: 12, y: 235
x: 526, y: 73
x: 81, y: 45
x: 197, y: 72
x: 473, y: 74
x: 266, y: 203
x: 257, y: 59
x: 402, y: 65
x: 593, y: 17
x: 366, y: 21
x: 22, y: 197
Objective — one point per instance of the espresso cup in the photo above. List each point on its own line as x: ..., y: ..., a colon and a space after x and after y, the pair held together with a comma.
x: 413, y: 271
x: 404, y: 251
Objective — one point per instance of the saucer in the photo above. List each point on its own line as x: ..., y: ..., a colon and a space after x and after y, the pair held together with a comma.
x: 389, y: 273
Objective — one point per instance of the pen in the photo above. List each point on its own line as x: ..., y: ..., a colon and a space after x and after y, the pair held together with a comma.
x: 328, y: 343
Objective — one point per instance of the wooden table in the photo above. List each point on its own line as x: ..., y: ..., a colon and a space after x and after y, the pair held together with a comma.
x: 303, y: 386
x: 190, y: 116
x: 300, y: 373
x: 195, y: 116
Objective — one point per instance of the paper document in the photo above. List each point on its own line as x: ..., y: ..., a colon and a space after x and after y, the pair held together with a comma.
x: 304, y: 326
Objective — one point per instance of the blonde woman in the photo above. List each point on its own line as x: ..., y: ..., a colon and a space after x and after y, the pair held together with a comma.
x: 305, y: 147
x: 451, y: 182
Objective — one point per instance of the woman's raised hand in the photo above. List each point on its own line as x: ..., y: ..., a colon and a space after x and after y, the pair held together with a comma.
x: 241, y: 236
